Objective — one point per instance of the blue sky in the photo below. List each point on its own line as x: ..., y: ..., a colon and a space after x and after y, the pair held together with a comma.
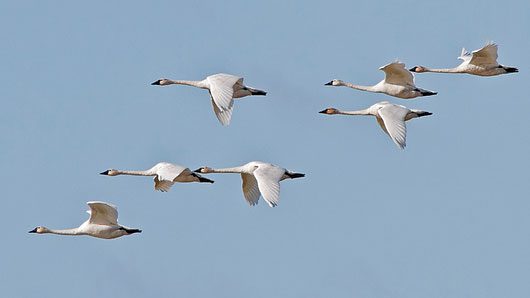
x: 447, y: 217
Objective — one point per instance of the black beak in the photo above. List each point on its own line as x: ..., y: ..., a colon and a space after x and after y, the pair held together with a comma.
x: 156, y: 83
x: 324, y: 111
x: 33, y: 231
x: 413, y: 69
x: 104, y: 173
x: 197, y: 170
x: 329, y: 84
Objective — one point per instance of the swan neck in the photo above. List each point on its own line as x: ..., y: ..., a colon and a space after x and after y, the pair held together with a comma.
x: 442, y: 70
x: 199, y: 84
x: 228, y: 170
x: 359, y: 87
x: 137, y: 173
x: 364, y: 112
x: 70, y: 232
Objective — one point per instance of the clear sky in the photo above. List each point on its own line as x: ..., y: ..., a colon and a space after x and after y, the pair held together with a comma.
x: 447, y: 217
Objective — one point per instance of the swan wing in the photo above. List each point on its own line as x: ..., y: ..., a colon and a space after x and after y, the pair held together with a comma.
x: 397, y: 74
x: 394, y: 121
x: 223, y: 116
x: 268, y: 177
x: 487, y: 56
x: 465, y: 55
x: 250, y: 189
x: 102, y: 213
x: 166, y: 173
x: 222, y: 89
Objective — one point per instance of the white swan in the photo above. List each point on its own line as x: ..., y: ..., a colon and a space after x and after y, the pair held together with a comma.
x: 102, y: 223
x: 390, y: 117
x: 223, y: 89
x: 166, y: 174
x: 259, y: 178
x: 482, y: 62
x: 398, y: 82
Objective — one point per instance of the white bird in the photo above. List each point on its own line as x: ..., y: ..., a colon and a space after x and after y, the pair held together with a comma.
x: 165, y: 173
x: 482, y: 62
x: 390, y: 117
x: 223, y: 89
x: 398, y: 82
x: 259, y: 178
x: 102, y: 223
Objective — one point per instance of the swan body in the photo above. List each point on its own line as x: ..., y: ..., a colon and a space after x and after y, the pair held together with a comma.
x: 165, y: 173
x: 259, y: 178
x: 102, y: 223
x: 390, y: 117
x: 223, y: 89
x: 398, y: 82
x: 481, y: 62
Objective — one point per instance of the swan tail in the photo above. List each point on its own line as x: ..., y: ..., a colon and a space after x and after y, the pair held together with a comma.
x: 422, y: 113
x: 256, y: 91
x: 426, y: 92
x: 202, y: 179
x: 510, y: 69
x: 294, y: 175
x: 131, y: 231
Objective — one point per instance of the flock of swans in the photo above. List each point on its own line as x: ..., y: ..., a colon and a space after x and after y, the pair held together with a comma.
x: 260, y: 179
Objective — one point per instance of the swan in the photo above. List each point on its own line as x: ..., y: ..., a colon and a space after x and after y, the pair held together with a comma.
x: 102, y: 223
x: 398, y: 82
x: 482, y: 62
x: 390, y: 117
x: 259, y: 178
x: 165, y: 173
x: 223, y: 89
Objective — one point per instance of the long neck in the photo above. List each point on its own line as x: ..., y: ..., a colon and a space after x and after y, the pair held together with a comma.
x: 443, y: 70
x: 136, y: 173
x: 228, y: 170
x: 358, y: 87
x: 199, y: 84
x: 71, y: 232
x: 359, y: 112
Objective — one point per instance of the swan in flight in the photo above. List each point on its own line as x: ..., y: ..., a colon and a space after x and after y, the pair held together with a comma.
x: 259, y: 178
x: 390, y: 117
x: 102, y: 223
x: 223, y: 89
x: 398, y: 82
x: 482, y: 62
x: 165, y: 173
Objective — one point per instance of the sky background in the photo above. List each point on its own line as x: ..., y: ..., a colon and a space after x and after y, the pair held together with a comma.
x: 447, y: 217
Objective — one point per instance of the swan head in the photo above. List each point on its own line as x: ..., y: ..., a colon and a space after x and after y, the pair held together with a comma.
x: 39, y: 230
x: 161, y: 82
x: 334, y: 83
x: 418, y: 69
x: 204, y: 170
x: 329, y: 111
x: 110, y: 172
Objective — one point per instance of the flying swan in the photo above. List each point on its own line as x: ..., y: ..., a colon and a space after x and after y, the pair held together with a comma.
x: 259, y: 178
x: 398, y: 82
x: 223, y: 89
x: 102, y: 223
x: 390, y: 117
x: 165, y: 173
x: 481, y: 62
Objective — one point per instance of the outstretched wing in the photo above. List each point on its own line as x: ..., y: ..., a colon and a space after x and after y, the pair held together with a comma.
x: 397, y: 74
x: 465, y: 55
x: 487, y: 56
x: 223, y: 116
x: 166, y: 174
x: 250, y: 189
x: 268, y: 177
x: 222, y: 89
x: 102, y: 213
x: 394, y: 119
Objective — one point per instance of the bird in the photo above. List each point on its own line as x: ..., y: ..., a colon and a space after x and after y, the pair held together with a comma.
x: 102, y: 223
x: 223, y: 89
x: 259, y: 178
x: 390, y: 117
x: 482, y: 62
x: 398, y: 82
x: 165, y: 173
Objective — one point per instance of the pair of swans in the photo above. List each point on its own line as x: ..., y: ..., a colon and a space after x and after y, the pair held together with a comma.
x: 102, y: 223
x: 390, y: 117
x: 481, y: 62
x: 259, y: 178
x: 223, y: 89
x: 398, y: 82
